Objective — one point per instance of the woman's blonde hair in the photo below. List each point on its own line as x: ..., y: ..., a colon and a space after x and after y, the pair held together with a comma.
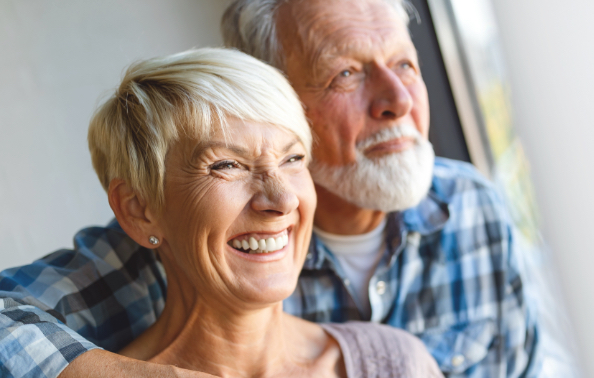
x: 191, y: 93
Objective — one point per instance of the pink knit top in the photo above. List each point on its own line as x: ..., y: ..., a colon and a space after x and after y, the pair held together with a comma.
x: 379, y: 351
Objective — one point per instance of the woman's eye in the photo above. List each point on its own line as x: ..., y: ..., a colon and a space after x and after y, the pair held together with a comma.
x: 345, y: 73
x: 295, y: 158
x: 227, y: 164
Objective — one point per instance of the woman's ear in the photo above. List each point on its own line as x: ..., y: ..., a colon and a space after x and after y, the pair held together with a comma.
x: 133, y: 214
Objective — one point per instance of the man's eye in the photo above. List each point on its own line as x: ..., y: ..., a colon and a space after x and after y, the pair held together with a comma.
x: 407, y: 71
x: 344, y: 79
x: 406, y: 65
x: 227, y: 164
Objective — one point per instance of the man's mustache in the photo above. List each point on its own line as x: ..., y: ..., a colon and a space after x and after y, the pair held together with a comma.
x: 396, y: 132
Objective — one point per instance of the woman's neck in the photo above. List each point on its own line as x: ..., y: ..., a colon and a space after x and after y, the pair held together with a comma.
x: 198, y: 333
x: 223, y: 344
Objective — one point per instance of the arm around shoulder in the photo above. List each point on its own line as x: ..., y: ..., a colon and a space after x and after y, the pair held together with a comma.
x: 102, y: 364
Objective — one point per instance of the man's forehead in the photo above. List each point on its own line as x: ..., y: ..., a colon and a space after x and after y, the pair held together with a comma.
x: 364, y: 45
x: 330, y: 28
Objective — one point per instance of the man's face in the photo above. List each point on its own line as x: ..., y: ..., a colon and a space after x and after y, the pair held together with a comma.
x: 356, y: 70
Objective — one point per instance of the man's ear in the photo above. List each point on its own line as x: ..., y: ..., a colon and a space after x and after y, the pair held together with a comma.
x: 133, y: 214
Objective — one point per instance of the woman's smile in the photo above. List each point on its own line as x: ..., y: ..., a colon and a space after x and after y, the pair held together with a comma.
x: 260, y: 242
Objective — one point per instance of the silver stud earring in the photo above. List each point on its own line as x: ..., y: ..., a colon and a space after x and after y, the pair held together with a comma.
x: 153, y: 240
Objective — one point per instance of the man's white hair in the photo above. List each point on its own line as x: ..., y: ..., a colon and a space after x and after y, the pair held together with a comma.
x: 250, y: 26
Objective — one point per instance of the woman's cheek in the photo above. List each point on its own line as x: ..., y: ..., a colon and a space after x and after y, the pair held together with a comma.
x: 306, y: 192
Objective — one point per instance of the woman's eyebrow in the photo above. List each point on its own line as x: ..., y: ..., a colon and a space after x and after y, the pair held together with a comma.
x: 227, y: 145
x: 241, y: 150
x: 289, y: 145
x: 199, y: 149
x: 234, y: 148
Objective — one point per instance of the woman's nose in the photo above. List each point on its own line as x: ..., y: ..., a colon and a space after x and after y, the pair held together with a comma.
x: 275, y: 198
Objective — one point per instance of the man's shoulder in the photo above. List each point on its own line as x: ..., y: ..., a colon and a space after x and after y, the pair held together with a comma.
x: 461, y: 185
x: 476, y: 214
x: 460, y: 200
x: 452, y: 176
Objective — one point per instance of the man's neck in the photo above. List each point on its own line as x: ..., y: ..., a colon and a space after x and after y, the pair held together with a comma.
x: 337, y: 216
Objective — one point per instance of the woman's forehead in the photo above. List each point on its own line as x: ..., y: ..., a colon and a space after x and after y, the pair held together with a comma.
x: 242, y: 138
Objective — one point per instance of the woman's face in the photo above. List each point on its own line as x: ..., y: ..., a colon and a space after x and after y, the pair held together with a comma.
x: 225, y: 197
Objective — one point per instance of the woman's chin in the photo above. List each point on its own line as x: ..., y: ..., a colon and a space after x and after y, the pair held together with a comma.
x: 274, y: 272
x: 267, y: 290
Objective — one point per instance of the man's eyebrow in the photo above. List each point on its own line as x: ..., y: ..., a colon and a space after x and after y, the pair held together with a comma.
x: 325, y: 58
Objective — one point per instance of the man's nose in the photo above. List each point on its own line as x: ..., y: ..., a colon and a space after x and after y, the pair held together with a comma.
x: 390, y: 97
x: 274, y: 197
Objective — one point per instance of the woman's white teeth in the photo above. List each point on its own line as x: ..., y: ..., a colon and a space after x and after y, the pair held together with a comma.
x: 263, y: 245
x: 253, y: 244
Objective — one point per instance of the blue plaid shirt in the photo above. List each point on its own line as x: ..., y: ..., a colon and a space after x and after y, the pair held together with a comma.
x: 449, y: 275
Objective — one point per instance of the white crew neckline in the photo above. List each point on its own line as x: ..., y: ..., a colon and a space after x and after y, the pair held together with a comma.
x: 350, y: 244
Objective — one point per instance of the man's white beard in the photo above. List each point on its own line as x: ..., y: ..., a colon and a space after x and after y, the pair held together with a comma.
x: 393, y: 182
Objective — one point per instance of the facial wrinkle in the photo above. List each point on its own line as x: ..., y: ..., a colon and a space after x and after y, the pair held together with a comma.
x: 322, y: 30
x: 273, y: 186
x: 273, y: 191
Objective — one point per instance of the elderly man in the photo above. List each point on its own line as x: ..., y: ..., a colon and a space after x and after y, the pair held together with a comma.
x: 401, y: 238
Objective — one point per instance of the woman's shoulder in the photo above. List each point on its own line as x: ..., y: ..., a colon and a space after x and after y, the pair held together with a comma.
x: 382, y: 351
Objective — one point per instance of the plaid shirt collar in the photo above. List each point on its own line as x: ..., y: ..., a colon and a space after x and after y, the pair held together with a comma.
x: 429, y: 216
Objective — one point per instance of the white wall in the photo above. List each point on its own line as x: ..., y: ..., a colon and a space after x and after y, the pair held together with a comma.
x: 56, y: 59
x: 549, y: 47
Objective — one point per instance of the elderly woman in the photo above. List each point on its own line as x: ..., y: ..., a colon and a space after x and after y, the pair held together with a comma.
x: 204, y: 157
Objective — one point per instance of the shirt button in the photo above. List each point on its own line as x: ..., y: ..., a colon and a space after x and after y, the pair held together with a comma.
x: 309, y: 256
x: 380, y: 287
x: 457, y: 360
x: 346, y: 282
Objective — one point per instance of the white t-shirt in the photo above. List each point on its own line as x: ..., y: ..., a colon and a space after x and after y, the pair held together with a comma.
x: 358, y: 256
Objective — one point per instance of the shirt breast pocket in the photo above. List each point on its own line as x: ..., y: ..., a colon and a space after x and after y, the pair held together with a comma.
x: 461, y: 346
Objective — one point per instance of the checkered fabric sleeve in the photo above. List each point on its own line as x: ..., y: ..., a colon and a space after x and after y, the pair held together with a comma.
x: 33, y: 343
x: 101, y: 294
